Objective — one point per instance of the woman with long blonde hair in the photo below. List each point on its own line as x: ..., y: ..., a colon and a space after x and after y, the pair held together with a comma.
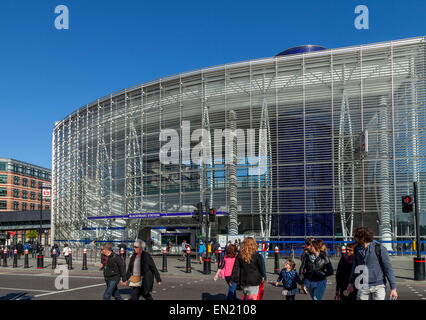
x: 248, y: 269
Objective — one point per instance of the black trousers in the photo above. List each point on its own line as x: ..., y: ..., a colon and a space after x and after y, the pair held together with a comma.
x: 138, y: 291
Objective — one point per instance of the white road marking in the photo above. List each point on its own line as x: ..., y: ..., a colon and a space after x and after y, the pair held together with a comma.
x: 69, y: 290
x: 47, y: 275
x: 173, y: 287
x: 19, y: 289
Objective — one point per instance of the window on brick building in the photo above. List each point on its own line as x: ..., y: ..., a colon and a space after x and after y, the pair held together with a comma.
x: 24, y: 206
x: 3, y: 192
x: 15, y: 205
x: 16, y: 180
x: 3, y: 205
x: 3, y: 178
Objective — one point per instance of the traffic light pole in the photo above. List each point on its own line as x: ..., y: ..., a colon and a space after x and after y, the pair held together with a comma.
x: 416, y: 216
x: 419, y: 262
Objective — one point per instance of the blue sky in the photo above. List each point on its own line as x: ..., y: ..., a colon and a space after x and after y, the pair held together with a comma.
x: 46, y: 74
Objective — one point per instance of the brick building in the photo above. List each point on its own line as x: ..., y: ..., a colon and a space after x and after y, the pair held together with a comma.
x: 20, y: 190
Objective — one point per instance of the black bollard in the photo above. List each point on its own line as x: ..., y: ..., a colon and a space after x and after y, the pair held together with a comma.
x: 54, y: 262
x: 26, y: 264
x: 419, y: 269
x: 40, y: 261
x: 5, y: 258
x: 84, y: 267
x: 70, y: 260
x: 207, y: 264
x: 15, y: 258
x: 164, y: 269
x: 188, y: 260
x: 277, y: 261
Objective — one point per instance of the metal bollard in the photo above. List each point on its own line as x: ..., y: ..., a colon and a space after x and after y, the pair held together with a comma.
x: 54, y: 259
x: 26, y: 264
x: 15, y: 258
x: 5, y: 258
x: 40, y: 261
x: 164, y: 269
x: 188, y: 260
x: 70, y: 260
x: 277, y: 261
x: 207, y: 264
x: 84, y: 267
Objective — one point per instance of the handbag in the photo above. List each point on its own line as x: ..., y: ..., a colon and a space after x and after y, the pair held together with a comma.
x: 135, y: 281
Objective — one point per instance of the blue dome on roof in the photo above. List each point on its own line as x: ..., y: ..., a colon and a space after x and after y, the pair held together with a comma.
x: 301, y: 49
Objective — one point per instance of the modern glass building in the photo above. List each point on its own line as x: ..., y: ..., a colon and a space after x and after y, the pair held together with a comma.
x: 343, y: 131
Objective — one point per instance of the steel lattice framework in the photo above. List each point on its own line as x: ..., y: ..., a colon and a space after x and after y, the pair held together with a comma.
x: 313, y: 106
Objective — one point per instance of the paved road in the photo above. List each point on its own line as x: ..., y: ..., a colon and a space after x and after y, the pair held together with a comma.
x: 37, y: 284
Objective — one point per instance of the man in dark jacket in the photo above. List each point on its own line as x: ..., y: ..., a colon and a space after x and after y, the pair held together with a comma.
x: 113, y: 269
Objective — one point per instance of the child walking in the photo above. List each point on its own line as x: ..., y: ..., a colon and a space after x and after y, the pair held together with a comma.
x: 290, y: 279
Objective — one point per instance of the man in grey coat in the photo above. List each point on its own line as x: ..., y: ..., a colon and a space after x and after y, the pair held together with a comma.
x: 373, y: 259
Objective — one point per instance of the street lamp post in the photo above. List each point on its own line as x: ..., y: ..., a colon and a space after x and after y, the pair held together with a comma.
x: 42, y: 188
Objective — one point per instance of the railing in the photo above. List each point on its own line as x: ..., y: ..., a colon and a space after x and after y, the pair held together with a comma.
x: 295, y: 247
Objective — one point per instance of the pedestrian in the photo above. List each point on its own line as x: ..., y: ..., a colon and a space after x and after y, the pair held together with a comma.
x: 264, y: 249
x: 27, y: 246
x: 201, y: 251
x: 290, y: 279
x: 314, y: 270
x: 306, y: 249
x: 343, y: 273
x: 375, y: 258
x: 183, y: 249
x: 34, y: 249
x: 215, y: 249
x: 209, y: 248
x: 141, y: 272
x: 323, y: 246
x: 57, y: 251
x: 225, y: 271
x: 113, y: 269
x: 169, y: 246
x: 20, y: 249
x: 66, y: 253
x: 248, y: 270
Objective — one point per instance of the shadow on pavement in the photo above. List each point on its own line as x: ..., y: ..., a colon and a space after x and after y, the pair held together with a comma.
x: 16, y: 296
x: 208, y: 296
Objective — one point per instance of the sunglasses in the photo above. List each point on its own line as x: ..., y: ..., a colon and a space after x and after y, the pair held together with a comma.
x: 135, y: 247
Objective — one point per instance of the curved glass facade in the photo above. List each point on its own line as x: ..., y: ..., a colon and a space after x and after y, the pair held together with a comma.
x: 314, y: 109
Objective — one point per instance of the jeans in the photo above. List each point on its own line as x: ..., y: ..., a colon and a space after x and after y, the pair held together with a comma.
x: 112, y: 290
x: 375, y: 292
x: 317, y: 292
x: 232, y: 291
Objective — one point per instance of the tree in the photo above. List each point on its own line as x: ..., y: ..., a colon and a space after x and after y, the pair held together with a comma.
x: 31, y: 235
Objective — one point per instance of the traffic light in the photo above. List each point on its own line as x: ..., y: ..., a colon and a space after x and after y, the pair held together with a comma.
x: 198, y: 213
x: 407, y: 204
x: 212, y: 214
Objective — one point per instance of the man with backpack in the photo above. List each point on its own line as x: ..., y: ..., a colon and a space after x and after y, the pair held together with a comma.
x: 375, y: 259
